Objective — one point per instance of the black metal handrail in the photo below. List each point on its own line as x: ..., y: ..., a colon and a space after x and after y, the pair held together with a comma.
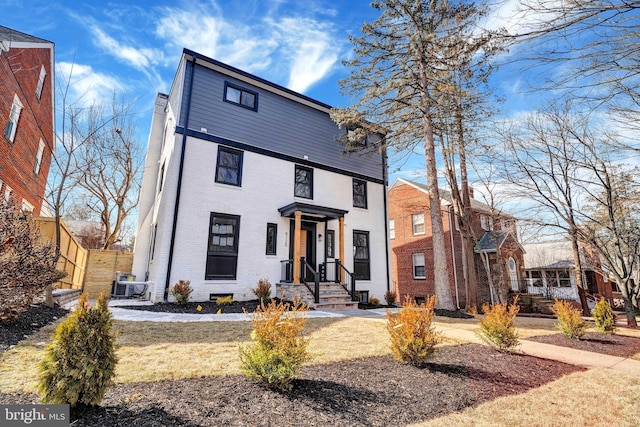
x: 329, y: 274
x: 307, y: 270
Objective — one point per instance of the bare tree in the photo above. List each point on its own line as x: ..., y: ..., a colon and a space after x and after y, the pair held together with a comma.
x: 110, y: 163
x: 542, y: 161
x: 400, y: 75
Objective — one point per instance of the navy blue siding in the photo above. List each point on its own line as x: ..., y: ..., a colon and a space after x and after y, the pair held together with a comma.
x: 279, y: 124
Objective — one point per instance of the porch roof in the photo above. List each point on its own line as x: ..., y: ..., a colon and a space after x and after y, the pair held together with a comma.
x: 319, y: 212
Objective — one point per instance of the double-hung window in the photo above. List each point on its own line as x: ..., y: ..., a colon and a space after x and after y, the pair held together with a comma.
x: 359, y: 193
x: 222, y: 251
x: 418, y: 266
x: 417, y: 221
x: 36, y: 165
x: 14, y: 115
x: 43, y: 75
x: 303, y: 186
x: 240, y: 96
x: 486, y: 222
x: 392, y: 229
x: 361, y: 262
x: 229, y: 166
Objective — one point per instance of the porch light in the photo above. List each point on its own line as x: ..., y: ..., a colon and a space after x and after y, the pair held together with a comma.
x: 319, y: 237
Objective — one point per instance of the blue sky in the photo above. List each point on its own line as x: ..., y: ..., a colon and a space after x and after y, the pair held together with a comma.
x: 133, y: 47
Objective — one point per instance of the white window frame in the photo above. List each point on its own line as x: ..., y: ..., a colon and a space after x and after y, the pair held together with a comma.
x: 14, y: 116
x: 416, y: 221
x: 486, y: 222
x: 43, y: 75
x: 7, y: 193
x: 417, y: 264
x: 392, y: 229
x: 27, y: 207
x: 38, y: 163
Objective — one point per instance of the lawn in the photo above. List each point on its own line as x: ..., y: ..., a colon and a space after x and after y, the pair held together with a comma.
x: 197, y: 363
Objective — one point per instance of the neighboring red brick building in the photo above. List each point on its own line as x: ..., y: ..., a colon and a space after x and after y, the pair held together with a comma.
x: 26, y: 117
x: 412, y: 250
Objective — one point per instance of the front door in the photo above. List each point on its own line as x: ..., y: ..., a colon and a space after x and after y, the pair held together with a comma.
x: 307, y: 245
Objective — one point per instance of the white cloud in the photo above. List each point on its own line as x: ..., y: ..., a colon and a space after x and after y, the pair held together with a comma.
x: 312, y: 51
x: 300, y: 51
x: 85, y: 85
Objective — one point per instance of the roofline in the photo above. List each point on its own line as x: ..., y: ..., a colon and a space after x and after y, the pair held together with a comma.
x: 255, y: 80
x: 37, y: 40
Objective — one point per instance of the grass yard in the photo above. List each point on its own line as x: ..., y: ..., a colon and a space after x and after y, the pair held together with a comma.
x: 152, y: 352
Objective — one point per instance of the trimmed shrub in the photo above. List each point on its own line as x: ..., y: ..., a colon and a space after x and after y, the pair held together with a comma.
x: 228, y: 300
x: 570, y: 321
x: 497, y: 327
x: 263, y: 291
x: 278, y: 350
x: 181, y: 291
x: 390, y: 297
x: 413, y: 338
x: 604, y: 318
x: 374, y: 301
x: 80, y: 360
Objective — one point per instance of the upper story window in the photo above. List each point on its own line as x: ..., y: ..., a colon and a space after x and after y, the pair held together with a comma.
x: 303, y: 183
x: 36, y: 166
x: 14, y: 115
x: 161, y: 177
x: 486, y: 222
x: 229, y: 166
x: 392, y: 229
x: 359, y: 193
x: 240, y: 96
x: 417, y: 221
x: 43, y: 75
x: 8, y: 193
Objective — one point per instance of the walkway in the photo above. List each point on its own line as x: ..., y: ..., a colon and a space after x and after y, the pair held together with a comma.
x: 544, y: 351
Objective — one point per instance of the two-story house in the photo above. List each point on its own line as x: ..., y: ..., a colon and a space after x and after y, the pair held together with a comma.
x: 497, y: 249
x: 245, y: 179
x: 26, y: 117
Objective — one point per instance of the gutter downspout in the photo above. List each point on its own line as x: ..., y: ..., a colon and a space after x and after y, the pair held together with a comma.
x: 386, y: 216
x: 177, y: 205
x: 453, y: 257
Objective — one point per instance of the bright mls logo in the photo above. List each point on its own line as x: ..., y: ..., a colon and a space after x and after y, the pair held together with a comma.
x: 34, y: 415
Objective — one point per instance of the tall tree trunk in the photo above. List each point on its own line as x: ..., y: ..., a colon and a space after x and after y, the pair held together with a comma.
x: 468, y: 237
x: 578, y: 272
x: 442, y: 287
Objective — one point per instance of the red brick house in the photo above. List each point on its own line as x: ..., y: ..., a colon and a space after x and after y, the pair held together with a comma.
x: 412, y: 251
x: 26, y: 117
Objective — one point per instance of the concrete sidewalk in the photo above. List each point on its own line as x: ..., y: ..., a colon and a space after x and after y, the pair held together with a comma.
x: 531, y: 348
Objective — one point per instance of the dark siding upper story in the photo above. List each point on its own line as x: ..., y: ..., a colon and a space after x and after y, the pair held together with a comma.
x: 279, y: 125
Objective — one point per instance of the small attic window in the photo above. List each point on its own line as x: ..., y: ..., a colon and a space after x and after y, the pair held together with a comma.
x: 237, y: 95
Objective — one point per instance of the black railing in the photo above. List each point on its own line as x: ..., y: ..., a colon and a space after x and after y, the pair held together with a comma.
x: 332, y: 271
x: 308, y: 274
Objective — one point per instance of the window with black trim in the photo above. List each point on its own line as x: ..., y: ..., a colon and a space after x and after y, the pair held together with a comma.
x: 304, y: 182
x: 161, y: 178
x: 229, y: 166
x: 330, y: 246
x: 240, y: 96
x: 222, y: 250
x: 418, y: 266
x: 272, y: 234
x: 359, y: 193
x: 361, y: 263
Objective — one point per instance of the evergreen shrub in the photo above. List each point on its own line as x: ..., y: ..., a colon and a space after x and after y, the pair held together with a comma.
x: 570, y: 321
x: 497, y: 327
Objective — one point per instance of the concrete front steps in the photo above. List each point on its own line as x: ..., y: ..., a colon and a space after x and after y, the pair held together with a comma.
x: 333, y: 297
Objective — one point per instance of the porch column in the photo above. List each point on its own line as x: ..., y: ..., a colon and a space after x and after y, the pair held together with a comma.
x: 296, y: 246
x: 341, y: 231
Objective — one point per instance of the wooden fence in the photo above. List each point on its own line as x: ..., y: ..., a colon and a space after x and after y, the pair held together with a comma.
x: 101, y: 270
x: 73, y: 257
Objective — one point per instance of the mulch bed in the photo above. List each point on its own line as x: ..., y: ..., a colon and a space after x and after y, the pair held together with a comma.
x: 374, y: 391
x: 613, y: 345
x: 207, y: 307
x: 39, y: 315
